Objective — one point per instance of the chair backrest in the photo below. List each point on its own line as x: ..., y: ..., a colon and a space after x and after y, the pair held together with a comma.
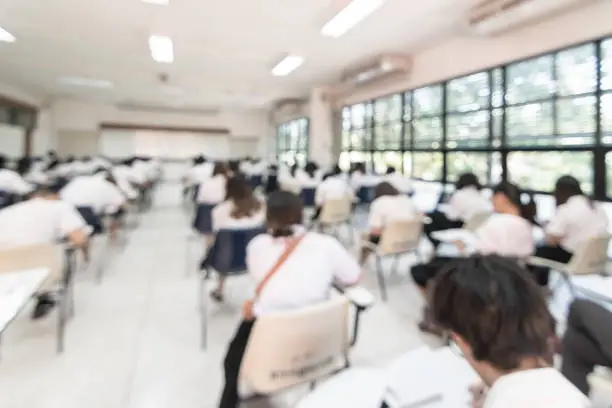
x: 295, y: 347
x: 308, y: 196
x: 227, y: 255
x: 32, y: 256
x: 592, y: 256
x: 400, y: 236
x: 336, y: 211
x: 477, y: 220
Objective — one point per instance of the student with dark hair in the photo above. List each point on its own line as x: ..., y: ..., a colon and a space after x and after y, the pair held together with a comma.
x: 240, y: 210
x: 281, y: 264
x: 499, y: 320
x: 466, y: 202
x: 587, y: 342
x: 332, y: 187
x: 12, y: 182
x: 576, y: 220
x: 402, y: 183
x: 272, y: 179
x: 43, y: 219
x: 211, y: 191
x: 508, y: 232
x: 388, y: 206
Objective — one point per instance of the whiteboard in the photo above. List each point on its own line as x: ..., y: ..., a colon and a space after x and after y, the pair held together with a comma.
x: 12, y: 140
x: 163, y: 144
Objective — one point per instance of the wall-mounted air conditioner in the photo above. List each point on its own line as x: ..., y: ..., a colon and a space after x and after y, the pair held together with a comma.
x: 490, y: 17
x: 382, y: 68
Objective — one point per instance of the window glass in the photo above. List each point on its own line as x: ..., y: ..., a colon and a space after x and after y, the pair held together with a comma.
x: 382, y: 160
x: 577, y: 70
x: 468, y: 162
x: 427, y: 132
x: 467, y: 130
x: 407, y: 106
x: 606, y: 64
x: 361, y: 157
x: 358, y: 116
x: 530, y: 125
x: 292, y: 141
x: 609, y: 174
x: 427, y: 165
x: 407, y: 164
x: 427, y: 101
x: 344, y: 161
x: 495, y: 171
x: 497, y: 87
x: 388, y: 137
x: 606, y: 118
x: 381, y: 110
x: 576, y: 120
x: 540, y: 170
x: 468, y: 93
x: 497, y: 126
x: 530, y: 80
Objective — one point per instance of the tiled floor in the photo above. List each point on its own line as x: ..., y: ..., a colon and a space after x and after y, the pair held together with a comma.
x: 134, y: 342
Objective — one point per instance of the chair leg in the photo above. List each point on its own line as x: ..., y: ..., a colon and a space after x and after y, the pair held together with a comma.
x: 62, y: 313
x: 395, y: 263
x: 381, y: 279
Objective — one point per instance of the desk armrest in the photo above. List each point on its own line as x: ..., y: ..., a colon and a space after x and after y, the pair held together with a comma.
x: 359, y: 296
x: 546, y: 263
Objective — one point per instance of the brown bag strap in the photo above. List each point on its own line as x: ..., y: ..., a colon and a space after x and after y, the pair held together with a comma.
x: 291, y: 245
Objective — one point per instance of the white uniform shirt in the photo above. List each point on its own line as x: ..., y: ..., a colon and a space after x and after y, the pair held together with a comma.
x: 402, y: 183
x: 505, y: 235
x: 332, y: 188
x: 576, y: 221
x: 542, y: 388
x: 358, y: 180
x: 306, y: 276
x: 466, y: 203
x: 38, y: 221
x: 95, y: 192
x: 200, y: 173
x: 391, y: 208
x: 222, y: 217
x: 123, y: 176
x: 12, y: 182
x: 306, y: 181
x: 212, y: 190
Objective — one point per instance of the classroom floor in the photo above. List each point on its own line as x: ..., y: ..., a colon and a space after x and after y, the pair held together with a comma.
x: 134, y: 342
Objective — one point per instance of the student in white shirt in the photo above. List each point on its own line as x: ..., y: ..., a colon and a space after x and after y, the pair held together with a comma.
x: 43, y: 219
x: 240, y: 210
x: 295, y: 283
x: 508, y: 232
x: 499, y: 320
x: 211, y: 192
x: 388, y: 206
x: 333, y: 187
x: 272, y: 184
x: 11, y: 182
x: 402, y: 183
x: 309, y: 178
x: 466, y: 202
x: 577, y: 219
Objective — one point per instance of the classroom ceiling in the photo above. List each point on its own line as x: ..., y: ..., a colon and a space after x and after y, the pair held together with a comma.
x: 224, y: 49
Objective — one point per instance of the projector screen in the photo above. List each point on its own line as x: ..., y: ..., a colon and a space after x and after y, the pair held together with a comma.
x: 12, y: 140
x: 162, y: 144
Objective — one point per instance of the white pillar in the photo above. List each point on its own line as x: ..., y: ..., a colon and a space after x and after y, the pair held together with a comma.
x: 321, y: 129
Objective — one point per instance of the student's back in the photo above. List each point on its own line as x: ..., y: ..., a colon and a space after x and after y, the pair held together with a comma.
x: 390, y: 208
x: 223, y: 217
x: 93, y: 191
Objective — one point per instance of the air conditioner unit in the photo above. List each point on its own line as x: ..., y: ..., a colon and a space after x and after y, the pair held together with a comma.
x: 490, y: 17
x: 382, y: 68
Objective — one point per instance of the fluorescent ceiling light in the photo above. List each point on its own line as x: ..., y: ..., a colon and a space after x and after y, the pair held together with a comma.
x: 350, y: 16
x: 5, y: 36
x: 158, y: 2
x: 162, y: 49
x: 289, y: 64
x: 86, y: 82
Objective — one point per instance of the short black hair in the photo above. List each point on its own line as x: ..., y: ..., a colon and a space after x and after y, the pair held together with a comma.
x: 283, y: 210
x: 391, y: 170
x: 496, y: 306
x: 467, y: 180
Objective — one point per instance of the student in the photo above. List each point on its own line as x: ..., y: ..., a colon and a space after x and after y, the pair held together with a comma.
x: 587, y: 342
x: 400, y: 182
x: 43, y: 219
x: 294, y: 283
x: 211, y: 192
x: 272, y: 179
x: 508, y: 232
x: 11, y: 182
x: 388, y: 206
x: 240, y: 210
x: 466, y: 202
x: 309, y: 178
x: 577, y: 219
x: 499, y: 321
x: 333, y: 187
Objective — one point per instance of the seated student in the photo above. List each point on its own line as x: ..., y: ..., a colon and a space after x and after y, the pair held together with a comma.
x: 402, y: 183
x: 388, y: 206
x: 577, y: 219
x: 122, y: 174
x: 94, y: 197
x: 40, y: 220
x: 11, y: 182
x: 499, y: 320
x: 587, y: 342
x: 333, y: 187
x: 272, y: 179
x: 466, y: 202
x: 281, y: 263
x: 211, y: 192
x: 309, y: 178
x: 508, y: 232
x: 240, y: 210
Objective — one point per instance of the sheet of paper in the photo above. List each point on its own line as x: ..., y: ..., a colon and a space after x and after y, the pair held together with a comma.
x: 16, y: 289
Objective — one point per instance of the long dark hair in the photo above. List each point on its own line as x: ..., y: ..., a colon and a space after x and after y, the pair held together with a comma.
x: 385, y: 189
x: 514, y: 194
x: 566, y: 188
x: 293, y: 170
x: 220, y: 169
x: 311, y: 169
x: 241, y: 194
x: 283, y: 210
x: 23, y: 165
x: 2, y: 162
x: 467, y: 180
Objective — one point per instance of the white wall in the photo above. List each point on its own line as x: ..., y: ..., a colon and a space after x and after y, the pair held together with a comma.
x: 12, y: 139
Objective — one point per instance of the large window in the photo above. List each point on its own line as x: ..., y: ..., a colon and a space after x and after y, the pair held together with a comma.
x: 530, y: 122
x: 292, y: 142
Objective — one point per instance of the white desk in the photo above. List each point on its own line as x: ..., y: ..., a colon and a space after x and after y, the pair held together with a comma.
x: 16, y: 289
